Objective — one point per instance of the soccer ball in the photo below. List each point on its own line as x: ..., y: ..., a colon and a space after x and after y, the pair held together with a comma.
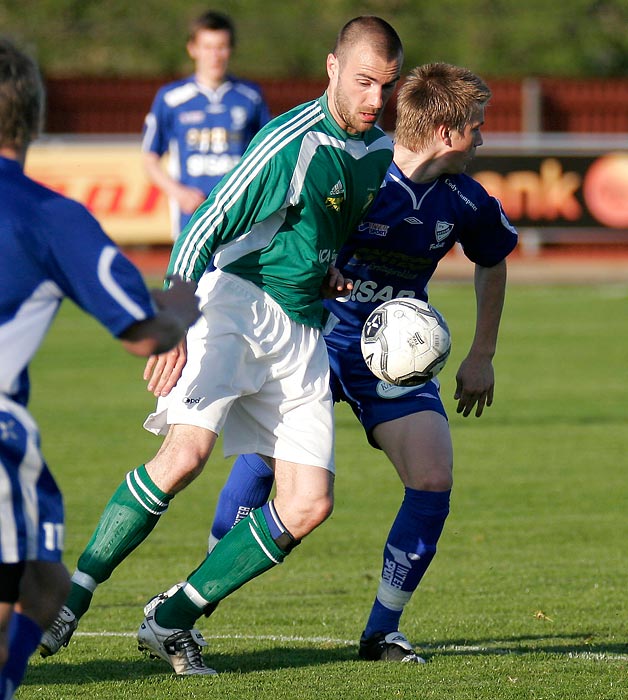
x: 405, y: 342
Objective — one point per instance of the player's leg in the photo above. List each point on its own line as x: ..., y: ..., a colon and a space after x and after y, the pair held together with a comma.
x: 10, y: 577
x: 248, y: 486
x: 128, y: 518
x: 144, y: 495
x: 283, y: 409
x: 419, y: 446
x: 43, y: 588
x: 257, y: 543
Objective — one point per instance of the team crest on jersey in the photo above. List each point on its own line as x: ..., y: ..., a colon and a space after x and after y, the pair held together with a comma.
x: 336, y: 196
x: 238, y: 118
x: 441, y: 231
x: 373, y: 229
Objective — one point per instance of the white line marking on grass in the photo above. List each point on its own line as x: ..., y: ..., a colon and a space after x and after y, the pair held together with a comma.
x: 252, y: 637
x: 584, y: 655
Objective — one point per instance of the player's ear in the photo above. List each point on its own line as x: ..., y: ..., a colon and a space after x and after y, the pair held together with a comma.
x: 332, y: 66
x: 444, y: 134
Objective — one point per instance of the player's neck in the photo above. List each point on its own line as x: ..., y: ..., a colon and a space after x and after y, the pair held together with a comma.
x: 211, y: 82
x: 418, y: 167
x: 13, y: 154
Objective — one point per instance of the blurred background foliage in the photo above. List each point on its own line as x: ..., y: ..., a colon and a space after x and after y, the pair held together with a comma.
x: 498, y: 38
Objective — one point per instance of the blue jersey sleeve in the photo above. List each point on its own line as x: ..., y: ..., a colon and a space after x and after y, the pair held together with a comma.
x: 157, y: 126
x: 90, y: 269
x: 489, y: 236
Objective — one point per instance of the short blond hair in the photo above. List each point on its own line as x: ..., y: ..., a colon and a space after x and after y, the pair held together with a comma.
x: 433, y: 95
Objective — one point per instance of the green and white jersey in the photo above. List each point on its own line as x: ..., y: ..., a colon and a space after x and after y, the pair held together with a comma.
x: 280, y: 216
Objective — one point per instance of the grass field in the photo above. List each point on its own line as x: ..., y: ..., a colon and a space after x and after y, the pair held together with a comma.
x: 526, y: 599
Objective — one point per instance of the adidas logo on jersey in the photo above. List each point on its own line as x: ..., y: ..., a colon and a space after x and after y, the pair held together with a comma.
x: 337, y: 189
x: 336, y: 197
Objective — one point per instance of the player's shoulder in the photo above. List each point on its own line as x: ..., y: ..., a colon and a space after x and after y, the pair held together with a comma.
x: 377, y: 136
x: 468, y: 190
x: 177, y: 92
x: 298, y: 120
x: 56, y: 210
x: 249, y: 88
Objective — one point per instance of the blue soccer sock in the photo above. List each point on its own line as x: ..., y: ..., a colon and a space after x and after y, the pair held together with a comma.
x: 409, y: 550
x: 248, y: 487
x: 24, y: 636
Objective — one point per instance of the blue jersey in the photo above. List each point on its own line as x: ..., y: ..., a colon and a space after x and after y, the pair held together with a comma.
x: 406, y: 233
x: 204, y: 131
x: 394, y: 253
x: 52, y: 247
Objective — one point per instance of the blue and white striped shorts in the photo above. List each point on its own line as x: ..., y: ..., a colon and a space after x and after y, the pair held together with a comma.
x: 31, y: 505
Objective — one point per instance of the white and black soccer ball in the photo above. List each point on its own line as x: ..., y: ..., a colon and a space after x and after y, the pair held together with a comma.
x: 405, y: 342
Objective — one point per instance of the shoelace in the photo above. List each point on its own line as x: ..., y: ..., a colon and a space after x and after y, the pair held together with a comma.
x: 59, y: 627
x: 184, y: 642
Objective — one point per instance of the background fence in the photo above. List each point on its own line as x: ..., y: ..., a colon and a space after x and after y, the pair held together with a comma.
x: 118, y: 105
x: 555, y: 154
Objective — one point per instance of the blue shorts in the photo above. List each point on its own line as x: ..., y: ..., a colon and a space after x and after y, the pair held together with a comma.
x: 31, y: 505
x: 372, y: 400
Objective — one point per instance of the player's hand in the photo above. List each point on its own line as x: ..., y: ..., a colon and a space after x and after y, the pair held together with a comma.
x: 335, y: 284
x: 189, y: 199
x: 162, y: 372
x: 179, y: 299
x: 475, y: 383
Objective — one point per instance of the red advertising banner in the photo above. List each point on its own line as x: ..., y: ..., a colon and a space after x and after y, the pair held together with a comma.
x: 545, y: 184
x: 564, y: 191
x: 108, y: 178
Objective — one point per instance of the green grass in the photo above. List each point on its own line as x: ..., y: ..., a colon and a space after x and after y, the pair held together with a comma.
x: 527, y: 598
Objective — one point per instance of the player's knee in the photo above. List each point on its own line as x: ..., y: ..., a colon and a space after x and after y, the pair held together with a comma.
x: 45, y: 587
x: 316, y: 512
x: 439, y: 477
x: 437, y: 482
x: 174, y: 467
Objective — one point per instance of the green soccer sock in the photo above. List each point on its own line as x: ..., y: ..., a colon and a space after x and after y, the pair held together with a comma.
x: 127, y: 520
x: 245, y: 552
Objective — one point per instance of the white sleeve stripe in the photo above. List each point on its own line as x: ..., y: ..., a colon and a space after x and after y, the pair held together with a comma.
x: 149, y: 134
x: 113, y: 288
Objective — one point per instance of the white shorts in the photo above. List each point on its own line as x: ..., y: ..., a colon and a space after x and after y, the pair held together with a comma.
x: 254, y: 374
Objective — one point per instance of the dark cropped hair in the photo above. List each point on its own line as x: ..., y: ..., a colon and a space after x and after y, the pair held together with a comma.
x: 21, y: 97
x: 375, y: 30
x: 214, y: 21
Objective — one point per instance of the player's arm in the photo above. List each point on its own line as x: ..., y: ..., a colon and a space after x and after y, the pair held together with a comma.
x: 475, y: 379
x: 188, y: 198
x: 177, y: 309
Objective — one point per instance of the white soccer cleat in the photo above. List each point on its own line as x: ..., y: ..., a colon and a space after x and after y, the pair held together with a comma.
x: 180, y: 648
x: 59, y: 633
x: 388, y: 647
